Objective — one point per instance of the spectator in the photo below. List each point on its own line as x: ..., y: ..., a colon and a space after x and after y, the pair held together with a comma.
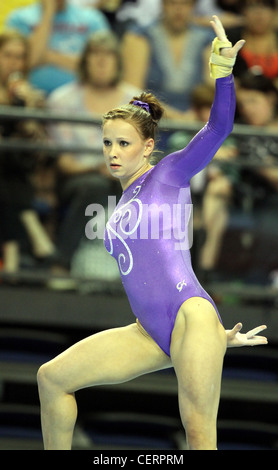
x: 258, y: 106
x: 83, y: 177
x: 230, y: 186
x: 57, y: 32
x: 167, y: 57
x: 18, y: 217
x: 260, y: 33
x: 257, y: 101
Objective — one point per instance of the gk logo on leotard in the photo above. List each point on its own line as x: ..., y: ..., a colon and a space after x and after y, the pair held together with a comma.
x: 181, y: 285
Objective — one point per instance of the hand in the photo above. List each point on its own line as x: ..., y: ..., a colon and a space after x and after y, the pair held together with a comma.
x: 235, y: 339
x: 21, y: 92
x: 220, y: 33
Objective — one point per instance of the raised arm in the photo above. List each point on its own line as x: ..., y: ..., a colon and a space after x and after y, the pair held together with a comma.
x: 40, y: 36
x: 184, y: 164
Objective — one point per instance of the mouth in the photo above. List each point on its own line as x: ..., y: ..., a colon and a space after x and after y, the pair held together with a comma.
x: 114, y: 166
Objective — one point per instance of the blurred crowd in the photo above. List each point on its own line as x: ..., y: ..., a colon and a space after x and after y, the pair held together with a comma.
x: 88, y: 56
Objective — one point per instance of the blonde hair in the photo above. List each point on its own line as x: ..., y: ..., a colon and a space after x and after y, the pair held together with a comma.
x: 144, y: 121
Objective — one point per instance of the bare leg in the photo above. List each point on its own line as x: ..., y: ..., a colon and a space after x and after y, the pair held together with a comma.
x: 112, y: 356
x: 215, y: 214
x: 197, y: 350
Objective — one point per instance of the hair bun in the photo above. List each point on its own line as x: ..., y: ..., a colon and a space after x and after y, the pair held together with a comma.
x: 156, y: 109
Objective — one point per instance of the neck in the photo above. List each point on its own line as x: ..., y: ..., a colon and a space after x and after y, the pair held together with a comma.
x: 175, y: 32
x: 101, y: 89
x: 126, y: 183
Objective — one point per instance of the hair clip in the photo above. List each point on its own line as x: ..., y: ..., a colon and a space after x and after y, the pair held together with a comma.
x: 142, y: 105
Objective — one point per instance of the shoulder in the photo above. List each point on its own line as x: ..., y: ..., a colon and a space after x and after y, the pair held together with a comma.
x: 25, y: 17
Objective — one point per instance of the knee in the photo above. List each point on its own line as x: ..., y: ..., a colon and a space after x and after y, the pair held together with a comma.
x: 46, y: 378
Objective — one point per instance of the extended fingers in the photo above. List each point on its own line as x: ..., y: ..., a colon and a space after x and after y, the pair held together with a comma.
x: 257, y: 341
x: 255, y: 331
x: 218, y: 28
x: 221, y: 34
x: 238, y: 46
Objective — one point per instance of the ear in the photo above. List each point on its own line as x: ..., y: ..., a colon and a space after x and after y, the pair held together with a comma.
x: 149, y: 146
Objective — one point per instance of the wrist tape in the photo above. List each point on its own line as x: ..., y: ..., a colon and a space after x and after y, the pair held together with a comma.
x: 220, y: 66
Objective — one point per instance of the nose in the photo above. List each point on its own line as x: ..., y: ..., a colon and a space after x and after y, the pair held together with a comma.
x: 113, y: 152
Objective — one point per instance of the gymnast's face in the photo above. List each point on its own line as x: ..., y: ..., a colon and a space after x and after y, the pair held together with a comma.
x: 126, y: 153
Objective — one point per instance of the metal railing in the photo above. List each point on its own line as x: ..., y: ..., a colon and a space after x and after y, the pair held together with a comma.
x: 12, y: 113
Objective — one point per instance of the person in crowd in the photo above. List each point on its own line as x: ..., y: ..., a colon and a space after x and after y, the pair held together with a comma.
x: 260, y: 32
x: 258, y: 107
x: 257, y: 100
x: 18, y: 217
x: 57, y: 32
x: 167, y: 57
x: 83, y: 178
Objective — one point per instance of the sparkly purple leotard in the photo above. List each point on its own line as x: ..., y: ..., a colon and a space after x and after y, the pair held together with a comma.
x: 148, y: 232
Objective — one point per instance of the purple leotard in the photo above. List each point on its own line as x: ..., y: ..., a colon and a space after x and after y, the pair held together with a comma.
x: 147, y: 233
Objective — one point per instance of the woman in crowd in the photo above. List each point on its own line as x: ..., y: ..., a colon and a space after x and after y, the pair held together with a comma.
x: 167, y: 57
x: 259, y: 29
x: 82, y: 177
x: 18, y: 217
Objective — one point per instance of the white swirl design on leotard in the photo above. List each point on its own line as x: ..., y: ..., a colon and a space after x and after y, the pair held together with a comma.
x: 124, y: 212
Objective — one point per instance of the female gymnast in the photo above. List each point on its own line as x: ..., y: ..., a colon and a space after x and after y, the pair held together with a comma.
x: 177, y: 322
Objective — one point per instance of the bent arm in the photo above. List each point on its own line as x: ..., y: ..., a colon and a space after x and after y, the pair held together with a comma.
x: 180, y: 166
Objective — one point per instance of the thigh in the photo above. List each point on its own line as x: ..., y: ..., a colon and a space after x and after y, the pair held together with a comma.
x: 197, y: 350
x: 111, y: 356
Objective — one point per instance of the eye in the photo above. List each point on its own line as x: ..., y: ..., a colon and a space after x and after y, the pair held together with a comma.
x: 106, y: 143
x: 123, y: 143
